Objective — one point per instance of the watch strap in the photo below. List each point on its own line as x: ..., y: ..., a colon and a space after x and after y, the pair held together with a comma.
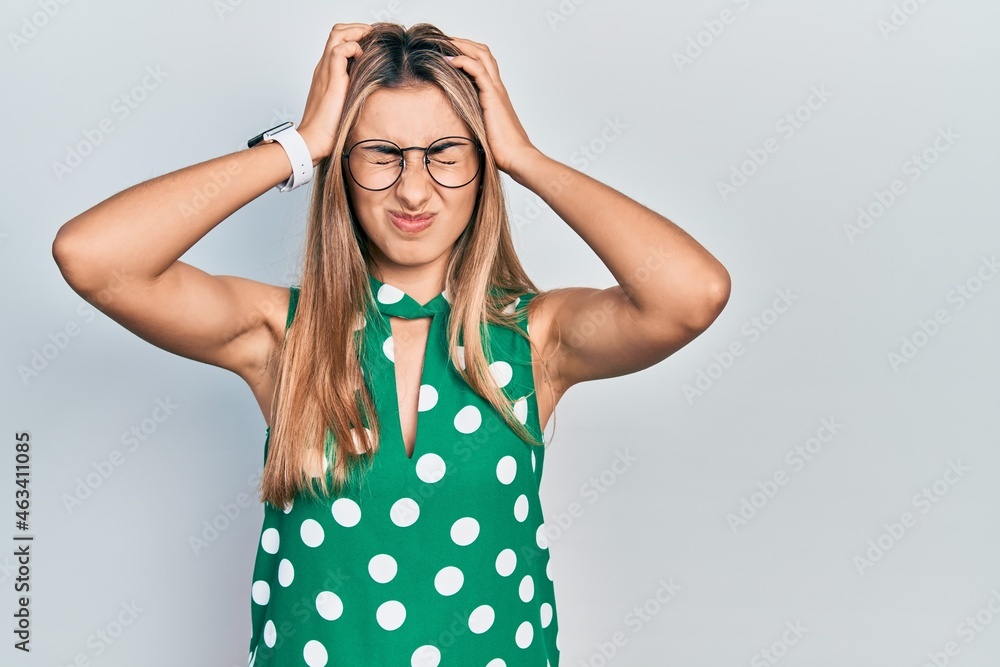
x: 298, y: 155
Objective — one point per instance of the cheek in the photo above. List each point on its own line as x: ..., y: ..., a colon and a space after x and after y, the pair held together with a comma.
x: 367, y: 211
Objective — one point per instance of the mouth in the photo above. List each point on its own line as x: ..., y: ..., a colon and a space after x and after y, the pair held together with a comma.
x: 411, y: 223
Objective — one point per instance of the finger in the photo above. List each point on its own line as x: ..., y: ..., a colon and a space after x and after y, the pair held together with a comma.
x: 351, y: 26
x: 482, y: 53
x: 476, y: 68
x: 343, y: 32
x: 336, y: 60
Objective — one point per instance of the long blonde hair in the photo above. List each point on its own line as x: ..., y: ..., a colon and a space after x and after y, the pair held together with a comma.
x: 320, y: 391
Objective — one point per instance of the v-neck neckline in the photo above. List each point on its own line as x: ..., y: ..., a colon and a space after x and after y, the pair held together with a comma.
x: 394, y: 302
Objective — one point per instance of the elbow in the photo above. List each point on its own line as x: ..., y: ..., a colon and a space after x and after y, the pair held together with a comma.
x: 61, y: 253
x: 719, y: 291
x: 712, y: 302
x: 60, y: 250
x: 67, y: 256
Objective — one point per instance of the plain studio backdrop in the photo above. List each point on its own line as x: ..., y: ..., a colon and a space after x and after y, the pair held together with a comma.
x: 812, y: 481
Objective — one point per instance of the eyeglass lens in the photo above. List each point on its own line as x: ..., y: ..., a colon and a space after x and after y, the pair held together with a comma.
x: 376, y: 164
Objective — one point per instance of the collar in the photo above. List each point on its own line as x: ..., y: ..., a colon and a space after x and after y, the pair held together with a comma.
x: 393, y: 301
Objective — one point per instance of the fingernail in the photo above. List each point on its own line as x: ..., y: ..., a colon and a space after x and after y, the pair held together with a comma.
x: 450, y: 57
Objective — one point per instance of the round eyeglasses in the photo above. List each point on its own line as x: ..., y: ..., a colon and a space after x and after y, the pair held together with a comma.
x: 376, y: 164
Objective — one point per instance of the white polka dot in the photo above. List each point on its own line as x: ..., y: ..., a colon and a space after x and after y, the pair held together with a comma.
x: 465, y: 531
x: 315, y: 654
x: 427, y: 398
x: 404, y: 512
x: 506, y: 469
x: 481, y: 619
x: 329, y: 605
x: 524, y: 634
x: 382, y: 568
x: 426, y: 656
x: 557, y: 641
x: 546, y: 612
x: 532, y: 460
x: 269, y: 541
x: 389, y: 294
x: 288, y: 506
x: 448, y: 580
x: 311, y: 532
x: 496, y: 662
x: 548, y: 569
x: 521, y: 410
x: 506, y: 562
x: 360, y: 322
x: 512, y: 306
x: 346, y: 512
x: 541, y: 538
x: 460, y: 351
x: 468, y: 419
x: 285, y: 572
x: 521, y: 507
x: 270, y: 634
x: 502, y: 372
x: 527, y: 588
x: 390, y: 615
x: 260, y: 592
x: 253, y: 656
x: 430, y: 468
x: 389, y: 349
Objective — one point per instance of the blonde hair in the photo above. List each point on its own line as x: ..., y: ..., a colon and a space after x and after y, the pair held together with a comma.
x: 320, y: 391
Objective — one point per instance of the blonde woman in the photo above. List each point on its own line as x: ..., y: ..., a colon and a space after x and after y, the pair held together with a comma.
x: 405, y: 382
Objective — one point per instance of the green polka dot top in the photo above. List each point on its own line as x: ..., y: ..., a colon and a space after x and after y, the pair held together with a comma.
x: 435, y: 560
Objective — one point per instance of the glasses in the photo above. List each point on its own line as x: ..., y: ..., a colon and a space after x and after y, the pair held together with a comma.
x: 376, y: 164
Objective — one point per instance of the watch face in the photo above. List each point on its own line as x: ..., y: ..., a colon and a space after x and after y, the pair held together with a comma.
x: 267, y: 135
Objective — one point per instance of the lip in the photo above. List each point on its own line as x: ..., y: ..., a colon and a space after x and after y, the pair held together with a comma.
x: 407, y: 223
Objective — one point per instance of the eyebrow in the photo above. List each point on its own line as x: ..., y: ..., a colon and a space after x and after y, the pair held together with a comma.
x: 441, y: 146
x: 365, y: 136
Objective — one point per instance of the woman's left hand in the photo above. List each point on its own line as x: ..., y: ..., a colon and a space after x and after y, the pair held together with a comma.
x: 507, y: 138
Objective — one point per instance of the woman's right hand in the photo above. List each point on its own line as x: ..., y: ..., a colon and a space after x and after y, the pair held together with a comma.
x: 325, y: 101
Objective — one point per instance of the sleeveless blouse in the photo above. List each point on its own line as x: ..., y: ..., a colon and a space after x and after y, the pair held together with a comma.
x: 435, y: 560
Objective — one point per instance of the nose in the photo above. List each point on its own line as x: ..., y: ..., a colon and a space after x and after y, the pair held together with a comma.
x: 415, y: 183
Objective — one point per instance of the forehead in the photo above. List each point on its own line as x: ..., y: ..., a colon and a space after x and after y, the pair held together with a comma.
x: 409, y: 117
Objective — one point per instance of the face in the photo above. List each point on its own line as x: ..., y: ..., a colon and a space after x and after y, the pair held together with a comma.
x: 412, y: 117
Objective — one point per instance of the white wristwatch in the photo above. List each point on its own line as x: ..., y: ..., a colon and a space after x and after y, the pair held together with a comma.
x: 296, y: 150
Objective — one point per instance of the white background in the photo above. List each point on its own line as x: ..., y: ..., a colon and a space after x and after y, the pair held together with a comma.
x: 227, y: 72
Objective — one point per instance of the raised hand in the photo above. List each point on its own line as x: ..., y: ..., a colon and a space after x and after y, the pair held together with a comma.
x: 325, y: 101
x: 507, y: 138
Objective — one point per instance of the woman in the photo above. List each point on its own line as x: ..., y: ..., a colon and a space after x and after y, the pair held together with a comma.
x: 417, y: 538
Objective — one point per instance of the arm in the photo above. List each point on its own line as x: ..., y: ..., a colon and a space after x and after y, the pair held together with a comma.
x: 122, y: 257
x: 123, y: 254
x: 670, y: 288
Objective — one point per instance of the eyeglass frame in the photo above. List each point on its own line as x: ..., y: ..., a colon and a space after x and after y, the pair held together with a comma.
x: 402, y: 156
